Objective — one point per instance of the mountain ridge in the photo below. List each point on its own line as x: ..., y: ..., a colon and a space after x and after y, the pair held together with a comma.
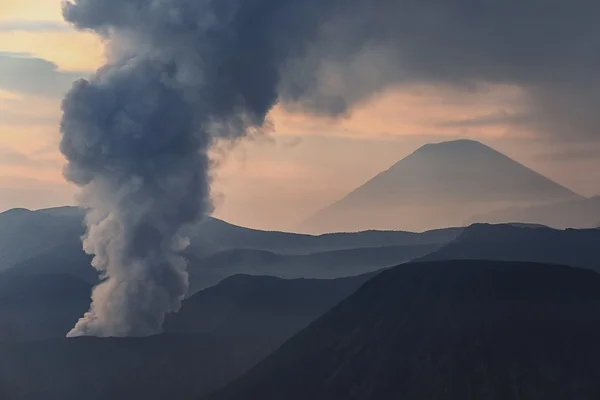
x: 449, y: 330
x: 218, y: 334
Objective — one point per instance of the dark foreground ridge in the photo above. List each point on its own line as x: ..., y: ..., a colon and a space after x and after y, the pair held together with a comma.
x: 572, y: 247
x: 219, y: 334
x: 445, y: 330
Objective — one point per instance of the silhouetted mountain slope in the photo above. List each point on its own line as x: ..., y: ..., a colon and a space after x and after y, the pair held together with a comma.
x: 67, y: 259
x: 210, y: 270
x: 25, y: 234
x: 436, y: 186
x: 579, y: 213
x: 266, y: 308
x: 329, y: 264
x: 577, y: 248
x: 445, y: 330
x: 43, y: 307
x: 220, y: 235
x: 32, y: 239
x: 219, y: 334
x: 71, y: 260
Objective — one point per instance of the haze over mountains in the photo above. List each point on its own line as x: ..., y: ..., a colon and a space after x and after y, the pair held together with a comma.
x: 48, y: 241
x: 454, y: 183
x: 449, y: 313
x: 458, y: 273
x: 439, y: 185
x: 233, y: 320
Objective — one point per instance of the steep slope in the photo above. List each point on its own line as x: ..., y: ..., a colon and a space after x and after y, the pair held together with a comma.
x: 448, y: 330
x: 68, y: 259
x: 42, y: 307
x: 580, y: 213
x: 577, y: 248
x: 436, y: 186
x: 265, y: 308
x: 25, y: 234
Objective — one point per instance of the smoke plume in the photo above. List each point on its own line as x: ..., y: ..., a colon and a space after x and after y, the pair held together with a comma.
x: 184, y: 73
x: 136, y: 134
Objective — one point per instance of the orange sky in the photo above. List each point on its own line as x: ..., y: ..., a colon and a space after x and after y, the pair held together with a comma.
x: 266, y: 183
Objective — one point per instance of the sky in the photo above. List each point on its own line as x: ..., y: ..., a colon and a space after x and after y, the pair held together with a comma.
x: 302, y: 164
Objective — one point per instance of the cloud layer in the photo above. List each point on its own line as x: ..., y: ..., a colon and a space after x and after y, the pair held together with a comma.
x: 23, y: 73
x: 16, y: 25
x: 550, y: 49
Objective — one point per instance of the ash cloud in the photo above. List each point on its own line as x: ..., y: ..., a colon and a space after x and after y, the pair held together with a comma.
x: 497, y: 118
x: 184, y: 73
x: 550, y: 49
x: 136, y: 135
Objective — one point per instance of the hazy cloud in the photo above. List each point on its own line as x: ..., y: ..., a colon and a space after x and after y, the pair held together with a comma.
x: 497, y: 118
x: 566, y: 155
x: 22, y: 73
x: 11, y: 118
x: 290, y: 142
x: 10, y: 157
x: 35, y: 198
x: 32, y: 26
x: 549, y: 49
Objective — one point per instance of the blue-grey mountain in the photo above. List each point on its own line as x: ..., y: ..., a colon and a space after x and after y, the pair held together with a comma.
x: 437, y: 186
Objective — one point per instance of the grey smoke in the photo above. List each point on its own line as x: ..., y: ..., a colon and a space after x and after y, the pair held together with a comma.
x: 136, y: 136
x: 183, y: 73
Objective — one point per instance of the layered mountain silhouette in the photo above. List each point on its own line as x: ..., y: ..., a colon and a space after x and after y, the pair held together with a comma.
x: 438, y: 185
x: 320, y: 265
x: 207, y: 271
x: 25, y: 234
x: 38, y: 304
x: 447, y: 330
x: 215, y: 235
x: 573, y: 247
x: 49, y: 242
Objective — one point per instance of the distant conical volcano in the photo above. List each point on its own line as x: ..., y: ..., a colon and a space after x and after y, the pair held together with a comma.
x: 436, y: 186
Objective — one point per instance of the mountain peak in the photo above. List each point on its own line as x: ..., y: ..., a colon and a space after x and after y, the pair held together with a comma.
x: 466, y: 144
x: 457, y: 149
x: 16, y: 211
x: 438, y: 185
